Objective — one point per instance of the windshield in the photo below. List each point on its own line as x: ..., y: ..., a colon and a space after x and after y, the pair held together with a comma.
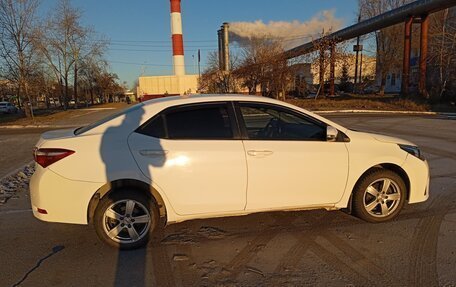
x: 84, y: 129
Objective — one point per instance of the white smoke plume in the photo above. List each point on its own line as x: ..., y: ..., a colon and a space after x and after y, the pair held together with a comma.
x: 290, y: 34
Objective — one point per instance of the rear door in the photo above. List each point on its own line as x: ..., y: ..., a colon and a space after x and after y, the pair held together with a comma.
x: 194, y: 154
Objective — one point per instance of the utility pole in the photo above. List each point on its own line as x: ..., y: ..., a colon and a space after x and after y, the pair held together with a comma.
x: 199, y: 63
x: 356, y: 49
x: 361, y: 65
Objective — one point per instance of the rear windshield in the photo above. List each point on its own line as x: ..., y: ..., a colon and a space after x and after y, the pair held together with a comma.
x: 87, y: 128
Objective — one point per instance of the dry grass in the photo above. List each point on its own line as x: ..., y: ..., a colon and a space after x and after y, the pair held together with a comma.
x: 380, y: 103
x: 47, y: 117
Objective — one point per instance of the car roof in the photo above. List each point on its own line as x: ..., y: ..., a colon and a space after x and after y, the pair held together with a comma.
x: 201, y: 98
x: 152, y: 107
x: 196, y: 98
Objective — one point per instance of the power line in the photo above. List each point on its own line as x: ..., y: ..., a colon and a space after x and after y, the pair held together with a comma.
x: 160, y: 46
x: 156, y: 51
x: 125, y: 42
x: 157, y: 41
x: 145, y: 64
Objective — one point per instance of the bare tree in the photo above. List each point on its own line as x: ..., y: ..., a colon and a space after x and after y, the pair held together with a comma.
x: 389, y: 41
x: 85, y: 48
x: 108, y: 86
x: 264, y: 65
x: 214, y: 80
x: 17, y: 20
x: 90, y: 69
x: 61, y: 41
x: 442, y: 54
x: 389, y: 52
x: 328, y: 49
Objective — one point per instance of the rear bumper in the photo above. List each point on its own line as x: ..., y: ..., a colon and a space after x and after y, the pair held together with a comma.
x: 63, y: 200
x: 418, y: 173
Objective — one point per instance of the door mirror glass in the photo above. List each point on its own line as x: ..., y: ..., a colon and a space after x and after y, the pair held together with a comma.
x: 331, y: 134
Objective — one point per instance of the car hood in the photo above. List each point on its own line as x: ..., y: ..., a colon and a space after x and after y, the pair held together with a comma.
x: 385, y: 139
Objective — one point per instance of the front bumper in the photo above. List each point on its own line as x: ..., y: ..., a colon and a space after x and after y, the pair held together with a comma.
x: 419, y: 176
x: 64, y: 200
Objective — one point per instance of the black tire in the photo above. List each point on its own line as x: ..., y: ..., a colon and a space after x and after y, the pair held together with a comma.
x: 121, y: 224
x: 390, y: 196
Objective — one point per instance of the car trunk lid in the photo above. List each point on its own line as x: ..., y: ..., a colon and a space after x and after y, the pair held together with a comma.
x: 55, y: 134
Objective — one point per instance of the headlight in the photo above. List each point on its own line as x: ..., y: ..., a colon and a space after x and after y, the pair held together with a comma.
x: 413, y: 150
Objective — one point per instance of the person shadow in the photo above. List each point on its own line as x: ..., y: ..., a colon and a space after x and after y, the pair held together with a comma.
x: 131, y: 265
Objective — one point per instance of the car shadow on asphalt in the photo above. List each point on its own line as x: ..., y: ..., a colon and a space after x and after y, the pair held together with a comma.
x: 131, y: 266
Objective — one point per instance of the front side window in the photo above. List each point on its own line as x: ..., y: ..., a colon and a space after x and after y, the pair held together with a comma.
x: 208, y: 121
x: 266, y: 122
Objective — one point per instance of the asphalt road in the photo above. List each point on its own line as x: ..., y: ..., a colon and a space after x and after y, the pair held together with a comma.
x: 309, y: 248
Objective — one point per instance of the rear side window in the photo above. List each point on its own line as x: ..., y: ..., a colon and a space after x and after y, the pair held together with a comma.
x: 206, y: 122
x: 155, y: 127
x: 210, y: 122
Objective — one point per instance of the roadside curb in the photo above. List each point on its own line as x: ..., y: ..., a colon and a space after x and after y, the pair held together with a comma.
x: 379, y: 112
x: 36, y: 126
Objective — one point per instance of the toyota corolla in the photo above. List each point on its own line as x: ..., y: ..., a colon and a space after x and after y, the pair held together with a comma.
x: 181, y: 158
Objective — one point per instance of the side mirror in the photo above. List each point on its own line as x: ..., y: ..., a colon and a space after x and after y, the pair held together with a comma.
x: 331, y: 134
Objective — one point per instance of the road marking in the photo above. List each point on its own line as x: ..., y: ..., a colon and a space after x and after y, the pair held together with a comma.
x: 99, y: 109
x: 374, y: 112
x: 84, y: 114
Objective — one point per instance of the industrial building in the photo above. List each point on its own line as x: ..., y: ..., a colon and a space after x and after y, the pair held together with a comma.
x: 160, y: 86
x: 150, y: 87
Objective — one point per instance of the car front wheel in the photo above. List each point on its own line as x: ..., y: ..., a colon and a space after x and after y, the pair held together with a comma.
x: 379, y: 196
x: 124, y: 219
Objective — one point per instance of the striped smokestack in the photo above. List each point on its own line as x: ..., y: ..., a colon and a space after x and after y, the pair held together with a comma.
x: 178, y: 42
x: 226, y: 47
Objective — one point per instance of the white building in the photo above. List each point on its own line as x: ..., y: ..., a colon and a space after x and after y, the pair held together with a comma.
x: 151, y: 87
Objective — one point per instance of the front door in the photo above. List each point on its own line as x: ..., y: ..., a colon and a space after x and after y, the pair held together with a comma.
x: 290, y: 163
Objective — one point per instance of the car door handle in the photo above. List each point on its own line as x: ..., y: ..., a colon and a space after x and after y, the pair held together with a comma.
x: 259, y: 153
x: 152, y: 153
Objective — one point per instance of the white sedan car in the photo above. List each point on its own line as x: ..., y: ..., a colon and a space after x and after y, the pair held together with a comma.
x: 181, y: 158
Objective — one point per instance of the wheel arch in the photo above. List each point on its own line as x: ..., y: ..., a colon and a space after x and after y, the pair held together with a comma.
x: 388, y: 166
x: 126, y: 183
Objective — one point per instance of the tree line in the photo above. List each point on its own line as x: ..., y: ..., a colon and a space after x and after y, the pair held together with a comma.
x: 52, y: 56
x: 261, y: 66
x: 389, y: 47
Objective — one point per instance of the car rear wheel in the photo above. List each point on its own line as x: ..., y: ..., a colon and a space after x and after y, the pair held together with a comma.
x: 379, y: 196
x: 124, y: 219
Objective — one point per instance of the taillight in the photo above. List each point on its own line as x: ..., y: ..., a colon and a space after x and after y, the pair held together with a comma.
x: 47, y: 156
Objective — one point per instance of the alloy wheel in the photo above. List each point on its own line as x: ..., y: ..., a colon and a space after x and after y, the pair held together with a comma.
x: 126, y: 221
x: 382, y: 197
